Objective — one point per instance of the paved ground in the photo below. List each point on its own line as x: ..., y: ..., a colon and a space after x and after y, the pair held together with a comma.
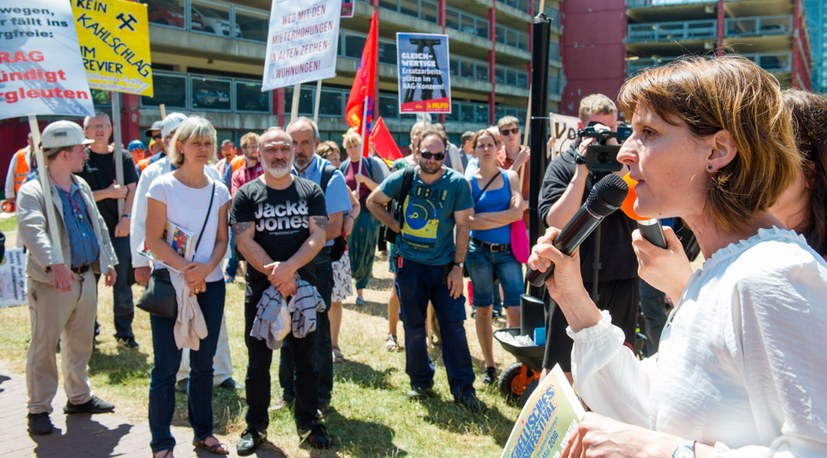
x: 81, y: 435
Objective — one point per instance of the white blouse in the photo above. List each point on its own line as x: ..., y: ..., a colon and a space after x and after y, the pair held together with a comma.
x: 741, y: 363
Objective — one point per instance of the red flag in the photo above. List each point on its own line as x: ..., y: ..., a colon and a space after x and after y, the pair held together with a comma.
x: 364, y: 83
x: 383, y: 142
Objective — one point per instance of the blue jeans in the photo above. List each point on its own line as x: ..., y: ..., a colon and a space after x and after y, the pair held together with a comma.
x: 232, y: 263
x: 167, y: 360
x: 483, y: 264
x: 323, y: 268
x: 416, y: 284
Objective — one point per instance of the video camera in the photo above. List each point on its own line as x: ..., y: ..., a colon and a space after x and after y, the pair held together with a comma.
x: 600, y: 157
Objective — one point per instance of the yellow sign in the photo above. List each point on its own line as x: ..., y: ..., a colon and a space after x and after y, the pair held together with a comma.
x: 114, y: 43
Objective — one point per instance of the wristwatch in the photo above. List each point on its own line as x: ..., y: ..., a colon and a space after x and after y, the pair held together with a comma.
x: 459, y: 264
x: 126, y: 215
x: 686, y: 449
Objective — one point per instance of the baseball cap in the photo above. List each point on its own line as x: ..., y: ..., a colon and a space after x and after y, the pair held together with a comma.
x: 60, y: 134
x: 171, y: 122
x: 155, y: 126
x: 135, y: 144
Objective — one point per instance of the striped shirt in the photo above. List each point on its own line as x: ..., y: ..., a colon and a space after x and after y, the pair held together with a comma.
x: 84, y: 245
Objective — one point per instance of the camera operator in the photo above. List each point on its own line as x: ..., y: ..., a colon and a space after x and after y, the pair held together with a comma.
x: 568, y: 180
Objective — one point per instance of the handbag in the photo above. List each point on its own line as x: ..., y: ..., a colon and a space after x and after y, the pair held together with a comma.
x: 159, y: 298
x: 519, y: 241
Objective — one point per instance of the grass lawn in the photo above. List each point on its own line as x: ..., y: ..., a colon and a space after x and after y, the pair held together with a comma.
x: 370, y: 414
x: 8, y: 224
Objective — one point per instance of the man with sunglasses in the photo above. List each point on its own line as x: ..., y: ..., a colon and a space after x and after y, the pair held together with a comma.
x: 156, y: 141
x: 429, y: 265
x: 566, y: 184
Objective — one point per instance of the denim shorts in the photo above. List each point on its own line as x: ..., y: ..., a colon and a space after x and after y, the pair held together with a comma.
x: 481, y: 266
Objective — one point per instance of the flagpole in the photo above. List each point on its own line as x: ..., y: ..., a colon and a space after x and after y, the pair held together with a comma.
x: 317, y: 100
x: 45, y: 184
x: 294, y: 109
x: 364, y: 128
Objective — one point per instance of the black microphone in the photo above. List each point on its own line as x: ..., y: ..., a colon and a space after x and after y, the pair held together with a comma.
x: 604, y: 199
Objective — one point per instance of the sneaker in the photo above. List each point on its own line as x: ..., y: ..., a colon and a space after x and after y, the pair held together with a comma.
x: 316, y: 436
x: 360, y: 301
x: 127, y: 342
x: 391, y: 344
x: 93, y: 405
x: 490, y: 376
x: 181, y: 385
x: 420, y: 393
x: 471, y: 402
x: 250, y: 441
x: 228, y: 384
x: 338, y: 357
x: 40, y: 424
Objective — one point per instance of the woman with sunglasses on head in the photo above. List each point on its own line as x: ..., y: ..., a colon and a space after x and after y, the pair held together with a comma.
x: 737, y: 373
x: 190, y: 199
x: 497, y: 203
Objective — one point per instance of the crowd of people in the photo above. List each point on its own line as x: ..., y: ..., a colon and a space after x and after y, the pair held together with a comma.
x: 714, y: 142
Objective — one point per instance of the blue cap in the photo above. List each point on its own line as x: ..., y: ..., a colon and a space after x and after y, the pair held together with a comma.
x: 135, y: 144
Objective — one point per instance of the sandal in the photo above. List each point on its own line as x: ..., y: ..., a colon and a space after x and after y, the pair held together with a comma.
x: 217, y: 448
x: 391, y: 344
x: 163, y: 454
x: 338, y: 357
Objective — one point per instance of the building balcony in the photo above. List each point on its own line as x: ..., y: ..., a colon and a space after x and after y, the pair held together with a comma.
x: 759, y: 26
x: 671, y: 31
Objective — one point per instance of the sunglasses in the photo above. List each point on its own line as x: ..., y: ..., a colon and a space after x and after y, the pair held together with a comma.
x: 507, y: 132
x: 427, y: 155
x: 158, y: 137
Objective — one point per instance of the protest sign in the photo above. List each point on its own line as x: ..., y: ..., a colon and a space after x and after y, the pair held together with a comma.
x: 114, y: 44
x: 424, y: 77
x: 41, y: 71
x: 13, y: 278
x: 563, y: 130
x: 548, y: 418
x: 301, y: 43
x: 347, y: 8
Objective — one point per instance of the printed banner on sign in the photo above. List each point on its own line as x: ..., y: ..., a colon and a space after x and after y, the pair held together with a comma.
x: 302, y: 42
x: 424, y: 76
x: 13, y: 278
x: 114, y: 44
x: 41, y: 72
x: 347, y: 8
x: 564, y: 132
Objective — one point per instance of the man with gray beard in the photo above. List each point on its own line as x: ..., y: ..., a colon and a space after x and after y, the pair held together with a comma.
x: 280, y: 222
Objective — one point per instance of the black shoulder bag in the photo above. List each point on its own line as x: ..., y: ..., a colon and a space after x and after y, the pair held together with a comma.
x: 396, y: 203
x: 159, y: 296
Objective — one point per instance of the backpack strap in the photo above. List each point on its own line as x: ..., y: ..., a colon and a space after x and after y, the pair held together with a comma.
x: 327, y: 174
x: 407, y: 181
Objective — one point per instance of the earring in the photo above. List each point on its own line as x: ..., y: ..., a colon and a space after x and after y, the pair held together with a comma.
x: 709, y: 167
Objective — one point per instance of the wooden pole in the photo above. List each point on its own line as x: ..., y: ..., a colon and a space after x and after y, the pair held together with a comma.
x: 116, y: 121
x: 45, y: 184
x: 317, y: 99
x: 364, y: 128
x: 294, y: 108
x: 163, y: 109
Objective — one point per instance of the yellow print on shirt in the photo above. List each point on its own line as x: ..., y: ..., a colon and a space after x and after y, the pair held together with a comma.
x: 422, y: 216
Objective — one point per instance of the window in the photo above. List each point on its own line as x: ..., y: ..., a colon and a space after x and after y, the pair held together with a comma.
x: 250, y: 98
x: 169, y: 90
x: 210, y: 94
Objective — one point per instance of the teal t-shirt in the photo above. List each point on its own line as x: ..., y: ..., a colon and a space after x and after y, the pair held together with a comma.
x: 428, y: 234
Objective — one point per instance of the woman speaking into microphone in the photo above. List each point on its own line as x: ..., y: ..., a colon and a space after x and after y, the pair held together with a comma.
x: 738, y: 373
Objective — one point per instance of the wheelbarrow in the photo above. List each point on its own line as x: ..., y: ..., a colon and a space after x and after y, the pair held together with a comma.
x: 518, y: 380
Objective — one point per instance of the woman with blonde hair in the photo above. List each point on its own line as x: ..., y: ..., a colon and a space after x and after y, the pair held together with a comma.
x: 736, y: 373
x: 187, y: 200
x: 364, y: 174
